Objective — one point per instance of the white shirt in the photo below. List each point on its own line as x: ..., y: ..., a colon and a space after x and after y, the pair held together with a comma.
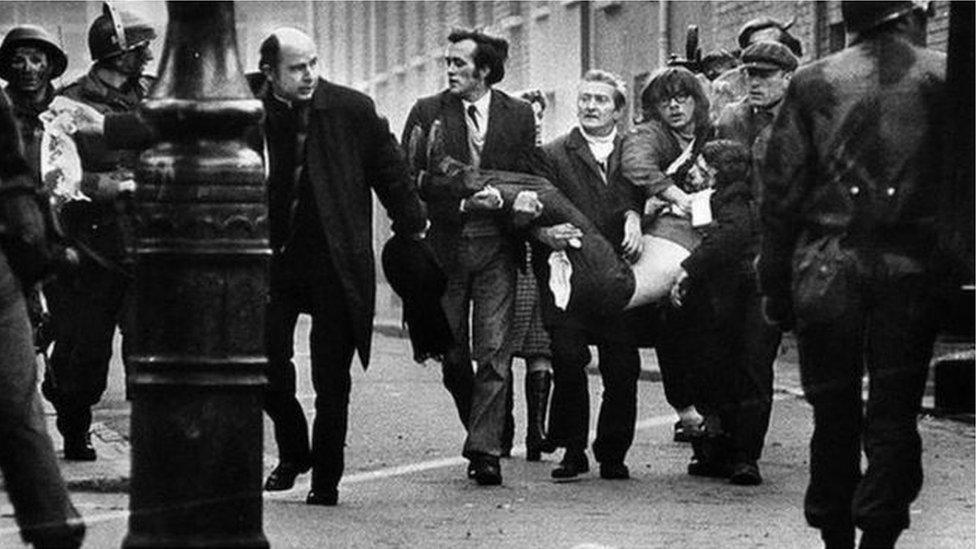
x: 481, y: 107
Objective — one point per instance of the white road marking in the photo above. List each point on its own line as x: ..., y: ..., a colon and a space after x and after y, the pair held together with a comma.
x: 303, y: 483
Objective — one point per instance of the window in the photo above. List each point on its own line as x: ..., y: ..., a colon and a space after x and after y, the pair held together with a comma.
x: 836, y: 36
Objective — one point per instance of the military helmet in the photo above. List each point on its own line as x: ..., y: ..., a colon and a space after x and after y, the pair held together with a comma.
x: 31, y: 35
x: 114, y: 33
x: 864, y: 16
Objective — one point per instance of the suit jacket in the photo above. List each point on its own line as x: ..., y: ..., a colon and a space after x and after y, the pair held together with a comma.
x: 570, y: 166
x: 350, y: 152
x: 509, y: 145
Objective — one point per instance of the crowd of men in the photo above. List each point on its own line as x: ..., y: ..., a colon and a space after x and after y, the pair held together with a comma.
x: 818, y: 185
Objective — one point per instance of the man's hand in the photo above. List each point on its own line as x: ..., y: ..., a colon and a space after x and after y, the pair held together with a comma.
x: 632, y: 243
x: 778, y: 312
x: 679, y: 289
x: 526, y: 208
x: 488, y: 198
x: 559, y: 237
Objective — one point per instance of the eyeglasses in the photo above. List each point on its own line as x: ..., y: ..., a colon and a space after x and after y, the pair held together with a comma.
x: 681, y: 99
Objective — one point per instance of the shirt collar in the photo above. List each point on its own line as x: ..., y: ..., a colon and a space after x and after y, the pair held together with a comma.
x: 481, y: 105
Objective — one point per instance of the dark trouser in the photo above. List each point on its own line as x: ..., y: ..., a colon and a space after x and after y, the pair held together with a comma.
x: 690, y: 357
x: 482, y: 288
x: 569, y: 420
x: 85, y: 309
x: 750, y: 346
x: 331, y: 348
x: 27, y: 460
x: 889, y: 326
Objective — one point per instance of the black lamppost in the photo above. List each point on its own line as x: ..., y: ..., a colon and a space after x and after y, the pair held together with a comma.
x: 195, y: 346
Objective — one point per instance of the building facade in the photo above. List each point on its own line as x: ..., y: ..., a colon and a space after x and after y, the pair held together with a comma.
x: 393, y: 50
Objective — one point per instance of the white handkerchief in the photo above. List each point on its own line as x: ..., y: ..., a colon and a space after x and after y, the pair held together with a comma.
x: 560, y: 271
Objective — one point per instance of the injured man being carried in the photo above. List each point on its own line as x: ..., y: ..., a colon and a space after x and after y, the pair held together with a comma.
x: 589, y: 277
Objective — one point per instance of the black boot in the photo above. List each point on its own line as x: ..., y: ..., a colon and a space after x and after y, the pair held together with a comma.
x: 508, y: 431
x: 537, y: 387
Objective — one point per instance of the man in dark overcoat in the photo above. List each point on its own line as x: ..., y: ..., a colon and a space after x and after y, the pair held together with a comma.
x: 850, y: 218
x: 327, y: 149
x: 585, y: 165
x: 486, y: 128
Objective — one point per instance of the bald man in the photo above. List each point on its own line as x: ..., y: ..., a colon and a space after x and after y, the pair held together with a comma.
x: 327, y: 148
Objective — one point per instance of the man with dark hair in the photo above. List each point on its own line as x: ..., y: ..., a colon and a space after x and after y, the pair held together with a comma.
x: 486, y: 128
x: 327, y: 149
x: 87, y: 306
x: 42, y: 507
x: 768, y: 67
x: 850, y: 217
x: 585, y: 165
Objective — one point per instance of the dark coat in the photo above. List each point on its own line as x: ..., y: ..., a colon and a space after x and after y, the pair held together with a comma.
x: 351, y: 152
x: 752, y: 127
x: 856, y: 152
x: 729, y: 243
x: 509, y: 145
x: 570, y: 166
x: 647, y: 152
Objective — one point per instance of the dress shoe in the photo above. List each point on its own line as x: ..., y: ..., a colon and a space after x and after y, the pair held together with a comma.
x: 574, y: 463
x: 328, y: 497
x: 746, y: 473
x: 686, y: 433
x: 615, y: 470
x: 283, y: 476
x: 79, y: 448
x: 67, y: 535
x: 487, y: 471
x: 709, y: 468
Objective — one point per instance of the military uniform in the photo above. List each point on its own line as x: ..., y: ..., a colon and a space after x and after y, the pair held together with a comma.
x: 849, y: 218
x: 87, y: 306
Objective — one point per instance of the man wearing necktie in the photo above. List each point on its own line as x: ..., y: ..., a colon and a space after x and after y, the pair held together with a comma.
x: 768, y: 67
x: 486, y: 128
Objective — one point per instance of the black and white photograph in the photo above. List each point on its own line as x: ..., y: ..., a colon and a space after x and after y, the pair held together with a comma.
x: 568, y: 274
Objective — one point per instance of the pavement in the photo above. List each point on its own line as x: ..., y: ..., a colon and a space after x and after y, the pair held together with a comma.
x: 110, y: 473
x: 375, y: 474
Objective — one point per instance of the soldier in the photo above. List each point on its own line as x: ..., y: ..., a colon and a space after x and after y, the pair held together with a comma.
x: 851, y: 187
x: 87, y: 307
x: 29, y: 61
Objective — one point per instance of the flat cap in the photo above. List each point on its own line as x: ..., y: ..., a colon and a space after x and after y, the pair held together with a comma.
x: 768, y: 56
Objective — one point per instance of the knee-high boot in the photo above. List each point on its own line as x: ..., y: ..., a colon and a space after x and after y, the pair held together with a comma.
x: 537, y: 387
x: 508, y: 430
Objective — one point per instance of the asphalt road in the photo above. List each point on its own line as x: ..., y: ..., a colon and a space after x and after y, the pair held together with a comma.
x: 405, y: 484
